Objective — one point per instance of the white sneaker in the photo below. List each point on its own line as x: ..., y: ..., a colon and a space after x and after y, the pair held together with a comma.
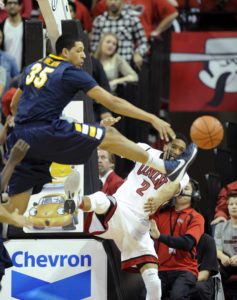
x: 72, y: 189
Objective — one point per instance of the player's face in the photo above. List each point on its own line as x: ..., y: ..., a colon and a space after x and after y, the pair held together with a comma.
x: 232, y: 206
x: 175, y: 148
x: 104, y: 163
x: 76, y: 55
x: 109, y: 45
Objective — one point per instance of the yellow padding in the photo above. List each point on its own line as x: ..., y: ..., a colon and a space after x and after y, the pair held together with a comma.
x: 78, y: 127
x: 92, y: 131
x: 59, y: 170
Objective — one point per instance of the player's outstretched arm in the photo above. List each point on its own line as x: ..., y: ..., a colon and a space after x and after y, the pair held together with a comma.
x: 17, y: 153
x: 13, y: 218
x: 123, y: 107
x: 15, y: 101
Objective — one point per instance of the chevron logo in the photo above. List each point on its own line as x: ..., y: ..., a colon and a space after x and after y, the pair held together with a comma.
x: 25, y: 287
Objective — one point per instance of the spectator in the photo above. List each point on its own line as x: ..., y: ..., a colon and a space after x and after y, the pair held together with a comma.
x: 100, y: 77
x: 25, y: 11
x: 221, y: 211
x: 177, y: 230
x: 79, y: 11
x: 2, y: 80
x: 9, y: 64
x: 207, y: 267
x: 226, y: 242
x: 122, y: 22
x: 110, y: 180
x: 13, y: 32
x: 155, y: 15
x: 116, y: 68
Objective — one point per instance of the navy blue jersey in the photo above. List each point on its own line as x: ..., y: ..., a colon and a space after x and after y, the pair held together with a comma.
x: 48, y: 86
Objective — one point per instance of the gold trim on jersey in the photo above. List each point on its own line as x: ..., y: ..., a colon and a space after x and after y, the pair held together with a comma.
x: 92, y: 131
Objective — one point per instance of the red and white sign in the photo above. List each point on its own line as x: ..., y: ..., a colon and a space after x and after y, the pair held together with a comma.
x: 203, y: 71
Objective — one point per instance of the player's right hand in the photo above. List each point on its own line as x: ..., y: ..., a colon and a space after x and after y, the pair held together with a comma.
x: 109, y: 121
x: 164, y: 129
x: 19, y: 220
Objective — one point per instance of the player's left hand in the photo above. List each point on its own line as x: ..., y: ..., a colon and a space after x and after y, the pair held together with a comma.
x: 152, y: 205
x: 2, y: 4
x: 154, y: 231
x: 18, y: 151
x: 164, y: 129
x: 109, y: 121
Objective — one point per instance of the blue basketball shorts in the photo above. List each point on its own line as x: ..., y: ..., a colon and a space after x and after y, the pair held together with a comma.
x: 56, y: 141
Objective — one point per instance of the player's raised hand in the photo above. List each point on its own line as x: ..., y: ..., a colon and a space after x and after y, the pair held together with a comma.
x: 164, y: 129
x: 18, y: 151
x: 109, y: 121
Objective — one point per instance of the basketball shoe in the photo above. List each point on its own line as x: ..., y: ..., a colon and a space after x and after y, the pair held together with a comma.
x: 72, y: 189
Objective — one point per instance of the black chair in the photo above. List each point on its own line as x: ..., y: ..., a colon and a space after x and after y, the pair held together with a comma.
x: 213, y: 187
x: 231, y: 135
x: 223, y: 165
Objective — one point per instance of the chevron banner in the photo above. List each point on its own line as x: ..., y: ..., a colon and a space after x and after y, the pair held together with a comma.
x: 33, y: 288
x: 55, y: 269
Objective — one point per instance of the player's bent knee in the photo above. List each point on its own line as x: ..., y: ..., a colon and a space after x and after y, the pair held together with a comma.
x: 99, y: 203
x: 110, y: 135
x: 152, y: 283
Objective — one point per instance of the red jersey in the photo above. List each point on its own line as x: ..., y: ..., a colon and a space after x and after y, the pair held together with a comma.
x: 83, y: 15
x: 179, y: 223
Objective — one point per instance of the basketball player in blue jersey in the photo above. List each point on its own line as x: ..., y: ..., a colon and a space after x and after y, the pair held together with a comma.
x: 47, y: 86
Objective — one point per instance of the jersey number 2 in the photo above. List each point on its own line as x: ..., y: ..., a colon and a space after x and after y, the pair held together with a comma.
x: 145, y: 186
x: 38, y: 75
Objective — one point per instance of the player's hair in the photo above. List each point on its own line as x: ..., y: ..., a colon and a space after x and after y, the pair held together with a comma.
x: 65, y: 41
x: 18, y: 1
x: 181, y: 136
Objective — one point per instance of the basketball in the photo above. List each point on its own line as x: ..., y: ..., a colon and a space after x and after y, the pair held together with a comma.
x: 207, y: 132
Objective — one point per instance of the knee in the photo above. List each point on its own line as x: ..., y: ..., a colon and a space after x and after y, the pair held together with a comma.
x: 99, y: 203
x: 110, y: 135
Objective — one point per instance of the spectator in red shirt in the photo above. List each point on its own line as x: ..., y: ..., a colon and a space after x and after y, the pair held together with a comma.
x: 221, y: 211
x: 177, y: 230
x: 110, y: 180
x: 80, y: 12
x: 156, y: 16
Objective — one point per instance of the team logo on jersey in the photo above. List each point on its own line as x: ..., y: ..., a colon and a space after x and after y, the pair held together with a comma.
x: 54, y: 4
x: 210, y: 78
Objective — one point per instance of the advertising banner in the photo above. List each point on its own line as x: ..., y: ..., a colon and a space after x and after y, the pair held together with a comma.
x: 203, y: 71
x: 55, y: 270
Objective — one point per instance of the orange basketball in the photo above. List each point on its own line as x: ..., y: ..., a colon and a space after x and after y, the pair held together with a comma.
x: 207, y: 132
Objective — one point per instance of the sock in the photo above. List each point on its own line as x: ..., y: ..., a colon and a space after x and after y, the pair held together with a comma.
x: 155, y: 162
x: 152, y: 283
